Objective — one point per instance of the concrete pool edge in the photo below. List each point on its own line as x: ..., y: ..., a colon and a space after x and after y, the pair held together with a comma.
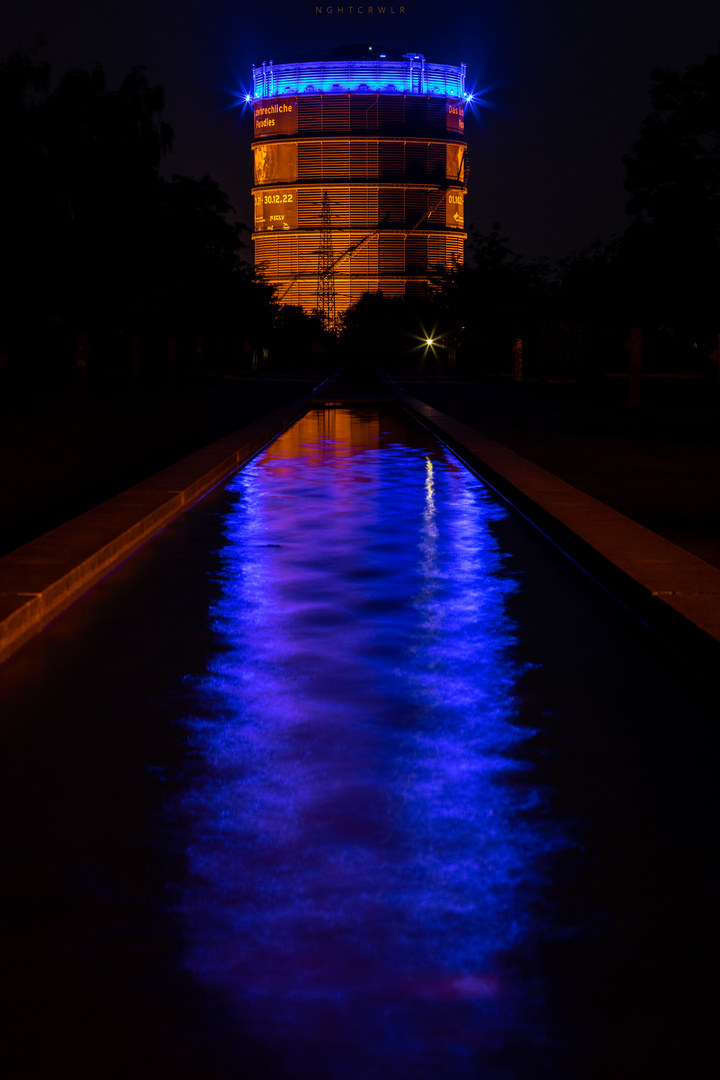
x: 675, y: 592
x: 42, y: 578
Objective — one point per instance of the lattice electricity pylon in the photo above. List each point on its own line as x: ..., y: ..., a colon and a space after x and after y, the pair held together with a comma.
x: 326, y: 268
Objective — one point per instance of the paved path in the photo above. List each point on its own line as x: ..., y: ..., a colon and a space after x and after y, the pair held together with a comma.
x: 57, y: 464
x: 659, y: 466
x: 41, y: 578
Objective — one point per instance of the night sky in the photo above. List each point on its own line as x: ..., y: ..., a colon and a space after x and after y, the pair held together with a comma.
x: 568, y: 81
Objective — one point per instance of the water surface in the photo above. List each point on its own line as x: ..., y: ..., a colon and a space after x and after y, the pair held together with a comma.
x: 362, y: 857
x: 349, y: 774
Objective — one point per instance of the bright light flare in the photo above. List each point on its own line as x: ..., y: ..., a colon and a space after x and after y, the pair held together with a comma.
x: 478, y: 99
x: 428, y: 341
x: 240, y: 97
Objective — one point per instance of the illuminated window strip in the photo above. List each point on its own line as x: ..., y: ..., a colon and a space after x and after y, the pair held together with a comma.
x: 358, y: 159
x: 290, y: 254
x: 365, y: 207
x: 358, y: 112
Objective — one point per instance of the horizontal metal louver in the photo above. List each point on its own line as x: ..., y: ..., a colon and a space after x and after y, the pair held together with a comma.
x: 391, y: 159
x: 355, y: 114
x: 310, y: 114
x: 364, y: 159
x: 391, y: 252
x: 436, y: 113
x: 416, y: 253
x: 310, y: 160
x: 436, y: 161
x: 364, y: 112
x: 392, y: 112
x: 416, y: 206
x: 360, y: 159
x: 391, y: 205
x: 335, y: 160
x: 335, y: 112
x: 288, y: 255
x: 351, y: 207
x: 360, y: 206
x: 437, y: 250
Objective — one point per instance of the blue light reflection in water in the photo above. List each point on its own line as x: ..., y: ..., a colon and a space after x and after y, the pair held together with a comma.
x: 362, y: 852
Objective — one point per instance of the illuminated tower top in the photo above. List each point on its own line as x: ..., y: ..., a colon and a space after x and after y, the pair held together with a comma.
x: 359, y: 69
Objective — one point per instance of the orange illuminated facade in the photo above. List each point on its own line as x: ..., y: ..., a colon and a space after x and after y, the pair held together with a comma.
x: 383, y: 134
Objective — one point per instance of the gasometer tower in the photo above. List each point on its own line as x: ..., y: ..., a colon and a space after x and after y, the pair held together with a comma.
x: 372, y: 141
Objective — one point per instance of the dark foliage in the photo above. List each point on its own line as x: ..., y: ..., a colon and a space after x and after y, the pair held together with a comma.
x: 96, y: 241
x: 671, y: 251
x: 297, y: 333
x: 673, y: 172
x: 384, y: 330
x: 80, y: 194
x: 481, y: 309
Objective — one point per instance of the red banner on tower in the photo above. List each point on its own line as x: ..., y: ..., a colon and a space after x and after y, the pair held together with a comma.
x: 455, y: 116
x: 276, y: 116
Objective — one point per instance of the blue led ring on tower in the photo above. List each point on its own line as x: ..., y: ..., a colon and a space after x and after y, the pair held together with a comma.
x: 382, y: 133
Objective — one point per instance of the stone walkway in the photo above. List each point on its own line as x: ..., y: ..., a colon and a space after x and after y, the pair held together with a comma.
x: 659, y: 466
x: 56, y: 464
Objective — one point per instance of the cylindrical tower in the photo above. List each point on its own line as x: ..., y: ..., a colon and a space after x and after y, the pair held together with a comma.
x: 382, y: 133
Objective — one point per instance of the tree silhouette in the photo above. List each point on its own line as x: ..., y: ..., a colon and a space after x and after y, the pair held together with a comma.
x: 79, y: 193
x: 673, y: 171
x: 94, y: 237
x: 673, y: 177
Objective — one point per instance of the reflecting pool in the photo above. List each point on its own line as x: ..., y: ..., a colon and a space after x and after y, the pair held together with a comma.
x: 350, y: 774
x: 367, y: 845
